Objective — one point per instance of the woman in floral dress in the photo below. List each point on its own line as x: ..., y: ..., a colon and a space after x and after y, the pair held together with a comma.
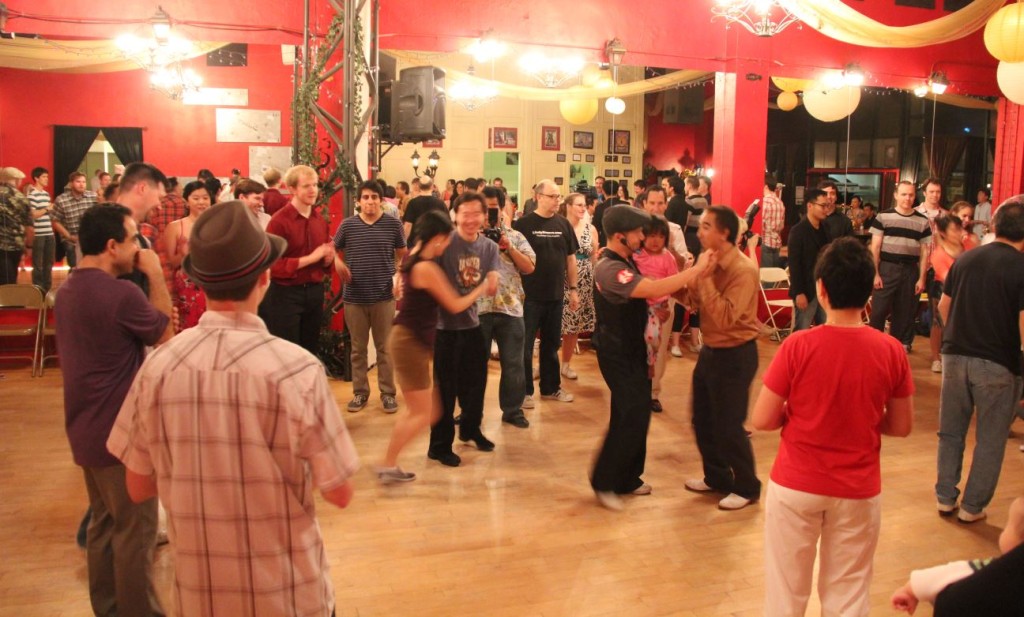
x: 582, y: 319
x: 188, y: 298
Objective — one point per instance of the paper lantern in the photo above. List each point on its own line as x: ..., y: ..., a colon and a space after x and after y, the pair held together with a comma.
x: 787, y: 101
x: 831, y: 105
x: 614, y: 105
x: 1004, y: 33
x: 578, y: 111
x: 1010, y: 76
x: 590, y: 75
x: 605, y: 82
x: 791, y: 84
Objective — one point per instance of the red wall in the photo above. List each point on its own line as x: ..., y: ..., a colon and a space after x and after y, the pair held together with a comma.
x: 179, y: 139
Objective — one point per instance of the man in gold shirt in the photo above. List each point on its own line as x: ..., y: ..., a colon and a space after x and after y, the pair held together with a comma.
x: 727, y: 301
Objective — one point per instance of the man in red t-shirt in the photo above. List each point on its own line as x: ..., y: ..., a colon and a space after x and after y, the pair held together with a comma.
x: 826, y: 481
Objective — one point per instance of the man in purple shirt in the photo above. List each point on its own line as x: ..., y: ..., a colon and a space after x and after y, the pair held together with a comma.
x: 105, y: 324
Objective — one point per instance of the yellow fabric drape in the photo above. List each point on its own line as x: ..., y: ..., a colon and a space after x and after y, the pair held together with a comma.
x: 74, y: 56
x: 844, y: 23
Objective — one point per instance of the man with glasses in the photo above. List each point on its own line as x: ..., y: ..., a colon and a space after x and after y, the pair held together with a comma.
x: 806, y: 240
x: 554, y: 242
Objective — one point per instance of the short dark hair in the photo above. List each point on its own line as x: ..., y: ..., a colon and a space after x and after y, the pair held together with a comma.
x: 369, y: 185
x: 678, y: 184
x: 932, y: 180
x: 726, y: 219
x: 390, y: 192
x: 430, y: 224
x: 110, y: 193
x: 847, y: 272
x: 657, y: 227
x: 691, y: 181
x: 38, y: 171
x: 101, y: 223
x: 497, y: 179
x: 402, y: 184
x: 987, y: 191
x: 943, y: 221
x: 141, y: 172
x: 493, y: 192
x: 194, y: 186
x: 204, y: 174
x: 654, y: 188
x: 610, y: 187
x: 471, y: 184
x: 171, y: 183
x: 246, y: 186
x: 811, y: 195
x: 1009, y: 219
x: 468, y: 196
x: 828, y: 184
x: 74, y: 176
x: 770, y: 182
x: 869, y: 205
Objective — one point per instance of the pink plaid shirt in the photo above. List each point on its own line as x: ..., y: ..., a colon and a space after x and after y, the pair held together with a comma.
x: 239, y: 427
x: 773, y: 219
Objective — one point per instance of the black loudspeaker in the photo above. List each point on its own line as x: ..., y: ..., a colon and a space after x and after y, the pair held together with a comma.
x: 417, y: 105
x: 684, y: 106
x: 386, y: 77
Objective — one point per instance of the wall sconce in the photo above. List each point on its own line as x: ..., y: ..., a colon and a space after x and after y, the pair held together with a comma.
x: 614, y: 50
x: 853, y: 75
x: 432, y: 163
x: 921, y: 91
x: 938, y: 82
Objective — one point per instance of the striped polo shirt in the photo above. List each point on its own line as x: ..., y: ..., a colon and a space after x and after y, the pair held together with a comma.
x: 370, y: 255
x: 902, y: 235
x: 40, y: 200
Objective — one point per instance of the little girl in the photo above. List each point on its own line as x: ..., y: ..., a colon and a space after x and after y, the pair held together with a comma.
x: 655, y: 262
x: 948, y: 246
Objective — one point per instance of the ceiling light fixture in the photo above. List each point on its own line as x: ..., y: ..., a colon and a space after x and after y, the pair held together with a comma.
x: 551, y: 71
x: 921, y: 91
x: 853, y: 75
x: 486, y: 48
x: 756, y: 16
x: 472, y: 95
x: 938, y: 82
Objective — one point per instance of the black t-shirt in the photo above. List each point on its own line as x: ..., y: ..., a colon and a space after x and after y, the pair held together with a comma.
x: 805, y: 242
x: 418, y: 206
x: 837, y: 225
x: 677, y: 210
x: 599, y: 217
x: 553, y: 239
x: 997, y: 590
x: 987, y: 288
x: 621, y: 319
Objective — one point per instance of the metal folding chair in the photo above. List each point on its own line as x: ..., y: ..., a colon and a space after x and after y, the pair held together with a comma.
x: 23, y: 298
x: 774, y: 280
x: 48, y: 329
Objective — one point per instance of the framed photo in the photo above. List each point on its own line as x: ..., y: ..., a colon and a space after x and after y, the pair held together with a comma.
x: 611, y: 158
x: 590, y: 158
x: 559, y: 180
x: 627, y: 173
x: 560, y: 158
x: 626, y: 160
x: 550, y: 138
x: 576, y: 158
x: 584, y: 140
x: 618, y: 141
x: 433, y: 143
x: 504, y: 137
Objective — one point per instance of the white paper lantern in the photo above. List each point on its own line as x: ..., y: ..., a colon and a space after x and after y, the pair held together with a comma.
x: 787, y: 101
x: 1010, y: 76
x: 614, y: 105
x: 831, y: 105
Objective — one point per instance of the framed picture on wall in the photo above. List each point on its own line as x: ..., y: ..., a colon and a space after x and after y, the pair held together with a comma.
x: 584, y: 140
x: 550, y: 138
x: 627, y: 173
x: 560, y: 158
x: 559, y: 180
x: 503, y: 137
x: 433, y: 143
x: 626, y: 160
x: 576, y: 158
x: 590, y: 158
x: 618, y: 141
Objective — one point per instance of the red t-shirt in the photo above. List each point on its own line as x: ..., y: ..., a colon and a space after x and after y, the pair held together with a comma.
x: 836, y: 381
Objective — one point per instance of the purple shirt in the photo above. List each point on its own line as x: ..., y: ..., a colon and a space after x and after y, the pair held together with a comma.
x: 103, y: 325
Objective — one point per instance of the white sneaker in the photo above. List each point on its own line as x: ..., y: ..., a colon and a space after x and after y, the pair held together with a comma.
x: 697, y: 485
x: 732, y: 501
x: 559, y: 395
x: 568, y: 373
x: 528, y: 402
x: 676, y: 352
x: 966, y: 517
x: 609, y: 500
x: 937, y: 366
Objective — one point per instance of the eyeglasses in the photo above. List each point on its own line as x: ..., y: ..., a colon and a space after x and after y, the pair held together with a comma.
x: 819, y: 203
x: 553, y: 196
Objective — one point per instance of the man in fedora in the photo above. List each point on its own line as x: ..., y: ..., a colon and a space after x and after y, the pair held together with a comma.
x: 233, y: 428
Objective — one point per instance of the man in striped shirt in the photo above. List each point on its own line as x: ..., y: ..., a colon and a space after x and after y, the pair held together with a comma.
x: 900, y: 241
x: 235, y: 428
x: 367, y: 246
x: 68, y: 211
x: 44, y: 246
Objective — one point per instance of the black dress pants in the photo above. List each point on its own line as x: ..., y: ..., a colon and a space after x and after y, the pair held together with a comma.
x: 295, y: 313
x: 460, y: 375
x: 621, y: 461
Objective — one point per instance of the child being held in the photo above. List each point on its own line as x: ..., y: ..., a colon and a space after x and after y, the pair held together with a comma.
x: 926, y: 585
x: 655, y: 262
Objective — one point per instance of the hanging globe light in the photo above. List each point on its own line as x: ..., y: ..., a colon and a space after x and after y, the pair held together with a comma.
x: 787, y: 101
x: 1004, y: 33
x: 614, y: 105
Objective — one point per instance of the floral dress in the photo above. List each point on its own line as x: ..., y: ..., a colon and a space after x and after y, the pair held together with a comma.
x: 189, y: 299
x: 584, y: 318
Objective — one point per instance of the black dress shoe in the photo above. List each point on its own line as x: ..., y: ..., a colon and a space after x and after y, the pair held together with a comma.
x: 482, y: 443
x: 448, y: 458
x: 655, y: 405
x: 515, y: 418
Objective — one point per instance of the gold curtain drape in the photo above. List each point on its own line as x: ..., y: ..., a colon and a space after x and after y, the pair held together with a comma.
x: 844, y: 23
x: 74, y: 56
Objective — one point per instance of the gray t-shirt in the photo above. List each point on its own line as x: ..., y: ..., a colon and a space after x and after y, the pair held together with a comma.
x: 467, y: 265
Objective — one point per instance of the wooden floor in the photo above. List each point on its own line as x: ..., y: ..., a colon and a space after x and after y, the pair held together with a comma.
x: 514, y: 532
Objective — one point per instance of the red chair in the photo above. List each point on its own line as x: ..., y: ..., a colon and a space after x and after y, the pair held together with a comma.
x: 22, y: 309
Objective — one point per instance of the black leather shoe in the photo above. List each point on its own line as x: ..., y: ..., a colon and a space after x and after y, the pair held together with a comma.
x: 482, y: 443
x: 448, y: 458
x: 656, y: 405
x: 515, y: 418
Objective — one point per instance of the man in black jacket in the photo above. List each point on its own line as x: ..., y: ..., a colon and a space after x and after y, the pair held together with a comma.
x: 806, y: 240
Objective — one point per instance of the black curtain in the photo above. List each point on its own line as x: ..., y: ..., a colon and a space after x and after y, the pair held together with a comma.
x: 126, y: 142
x: 974, y: 161
x: 70, y: 145
x: 910, y: 166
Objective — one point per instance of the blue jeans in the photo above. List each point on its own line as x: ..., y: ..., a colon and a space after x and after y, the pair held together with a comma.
x: 508, y: 332
x: 771, y: 258
x: 43, y: 248
x: 967, y: 383
x: 546, y: 317
x: 811, y: 316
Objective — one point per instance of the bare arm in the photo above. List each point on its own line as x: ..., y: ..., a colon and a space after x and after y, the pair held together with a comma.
x: 572, y: 278
x: 170, y: 239
x: 944, y: 304
x: 407, y: 228
x: 140, y: 488
x: 522, y: 262
x: 428, y: 275
x: 651, y: 288
x: 159, y: 297
x: 899, y: 417
x: 595, y: 247
x: 769, y: 411
x: 339, y: 496
x: 922, y: 264
x: 876, y: 256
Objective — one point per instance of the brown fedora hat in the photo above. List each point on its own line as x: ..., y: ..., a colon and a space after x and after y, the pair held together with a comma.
x: 227, y: 248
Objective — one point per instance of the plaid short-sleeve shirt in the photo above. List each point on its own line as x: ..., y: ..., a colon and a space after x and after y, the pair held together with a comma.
x: 239, y: 427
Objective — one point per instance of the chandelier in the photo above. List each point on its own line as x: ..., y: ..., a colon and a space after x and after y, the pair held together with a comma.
x: 174, y: 80
x: 160, y: 51
x: 470, y: 94
x: 551, y: 71
x: 757, y: 16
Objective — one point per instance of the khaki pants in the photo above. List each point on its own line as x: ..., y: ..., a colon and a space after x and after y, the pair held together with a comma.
x: 659, y: 365
x: 361, y: 319
x: 848, y: 530
x: 119, y: 546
